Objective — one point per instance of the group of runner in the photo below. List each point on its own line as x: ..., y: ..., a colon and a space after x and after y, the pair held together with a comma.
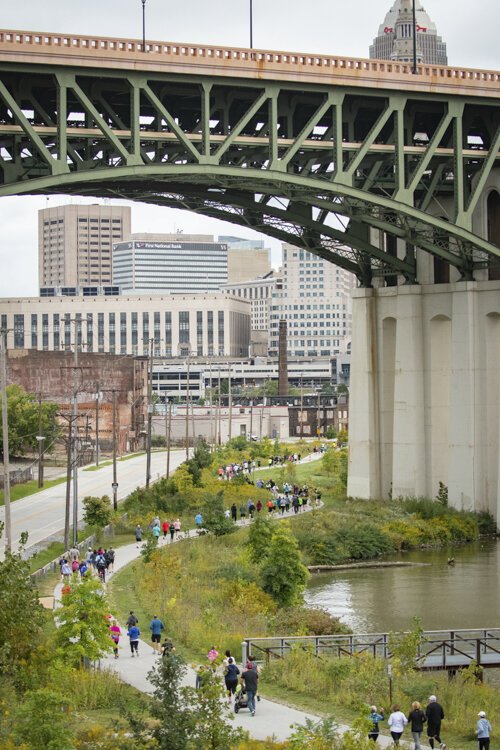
x: 98, y: 560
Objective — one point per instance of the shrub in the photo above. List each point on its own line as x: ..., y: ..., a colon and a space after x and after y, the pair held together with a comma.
x: 97, y: 510
x: 306, y: 621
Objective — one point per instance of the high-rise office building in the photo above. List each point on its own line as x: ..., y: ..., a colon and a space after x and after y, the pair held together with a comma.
x: 246, y: 259
x: 75, y: 241
x: 395, y: 36
x: 170, y: 264
x: 315, y: 301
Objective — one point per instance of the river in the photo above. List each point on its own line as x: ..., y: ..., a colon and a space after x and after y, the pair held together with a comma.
x: 377, y: 600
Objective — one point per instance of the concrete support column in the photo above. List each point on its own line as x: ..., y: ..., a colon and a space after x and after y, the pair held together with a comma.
x: 409, y: 470
x: 462, y: 431
x: 364, y: 434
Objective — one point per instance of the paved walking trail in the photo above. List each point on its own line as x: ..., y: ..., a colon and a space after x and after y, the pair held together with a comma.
x: 271, y: 719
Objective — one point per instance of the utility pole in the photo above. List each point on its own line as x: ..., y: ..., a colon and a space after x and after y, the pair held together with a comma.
x: 301, y: 405
x: 187, y: 408
x: 210, y: 407
x: 168, y: 430
x: 251, y: 418
x: 5, y: 435
x: 68, y: 487
x: 219, y: 420
x: 143, y: 25
x: 75, y: 439
x: 40, y: 439
x: 150, y: 414
x: 414, y: 70
x: 230, y: 401
x: 97, y: 395
x: 115, y: 483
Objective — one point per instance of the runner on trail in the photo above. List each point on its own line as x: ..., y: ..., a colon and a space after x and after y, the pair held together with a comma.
x: 133, y: 634
x: 156, y: 626
x: 115, y: 633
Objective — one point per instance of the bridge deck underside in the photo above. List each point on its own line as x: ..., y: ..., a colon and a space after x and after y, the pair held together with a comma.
x: 314, y: 165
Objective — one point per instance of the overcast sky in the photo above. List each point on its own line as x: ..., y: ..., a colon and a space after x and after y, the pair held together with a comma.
x: 343, y: 27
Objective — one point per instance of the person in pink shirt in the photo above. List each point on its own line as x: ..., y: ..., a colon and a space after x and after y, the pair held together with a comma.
x: 115, y: 633
x: 212, y: 655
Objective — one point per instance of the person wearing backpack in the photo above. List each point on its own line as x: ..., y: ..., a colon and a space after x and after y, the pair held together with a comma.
x: 231, y: 677
x: 75, y: 565
x: 100, y: 563
x: 110, y: 559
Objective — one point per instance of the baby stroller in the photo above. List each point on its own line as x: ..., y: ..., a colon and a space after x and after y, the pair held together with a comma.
x: 240, y: 698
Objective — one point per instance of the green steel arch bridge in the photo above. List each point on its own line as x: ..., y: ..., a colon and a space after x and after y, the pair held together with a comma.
x: 313, y: 150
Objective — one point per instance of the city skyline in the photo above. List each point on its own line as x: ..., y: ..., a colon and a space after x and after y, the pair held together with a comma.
x: 334, y: 35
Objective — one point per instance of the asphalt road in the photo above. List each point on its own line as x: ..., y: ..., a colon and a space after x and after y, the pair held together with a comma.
x: 42, y: 514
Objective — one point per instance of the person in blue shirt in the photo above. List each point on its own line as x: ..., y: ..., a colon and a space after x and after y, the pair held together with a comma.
x: 133, y: 634
x: 375, y: 716
x: 199, y: 520
x: 156, y: 626
x: 483, y: 731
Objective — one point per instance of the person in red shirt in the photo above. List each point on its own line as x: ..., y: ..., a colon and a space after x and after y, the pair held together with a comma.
x: 165, y: 527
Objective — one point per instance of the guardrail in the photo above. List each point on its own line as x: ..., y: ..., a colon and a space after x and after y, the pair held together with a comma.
x: 439, y: 649
x: 126, y: 52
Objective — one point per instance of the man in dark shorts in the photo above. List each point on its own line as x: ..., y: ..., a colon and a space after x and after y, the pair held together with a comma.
x: 434, y: 713
x: 156, y: 626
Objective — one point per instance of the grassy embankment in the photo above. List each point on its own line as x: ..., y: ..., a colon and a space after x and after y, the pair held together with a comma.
x: 208, y: 592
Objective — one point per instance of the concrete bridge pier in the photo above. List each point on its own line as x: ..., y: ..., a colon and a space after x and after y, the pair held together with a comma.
x: 425, y: 393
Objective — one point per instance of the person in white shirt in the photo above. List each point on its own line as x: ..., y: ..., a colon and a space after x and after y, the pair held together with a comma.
x: 397, y: 722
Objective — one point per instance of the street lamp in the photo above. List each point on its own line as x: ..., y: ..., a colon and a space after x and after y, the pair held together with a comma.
x: 251, y: 23
x: 414, y: 15
x: 143, y: 25
x: 40, y: 439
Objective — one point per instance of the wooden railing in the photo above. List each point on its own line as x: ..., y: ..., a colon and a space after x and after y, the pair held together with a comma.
x: 439, y: 649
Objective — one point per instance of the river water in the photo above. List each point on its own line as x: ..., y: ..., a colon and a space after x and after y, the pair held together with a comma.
x: 378, y: 600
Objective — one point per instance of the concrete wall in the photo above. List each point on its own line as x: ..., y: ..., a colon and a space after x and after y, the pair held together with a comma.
x: 425, y: 393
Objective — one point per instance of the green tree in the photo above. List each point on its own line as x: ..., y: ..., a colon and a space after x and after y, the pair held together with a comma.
x: 27, y: 419
x: 314, y: 735
x: 260, y: 535
x: 20, y: 614
x: 83, y: 630
x: 97, y: 510
x: 42, y: 721
x: 284, y: 576
x: 211, y: 712
x: 214, y: 517
x: 172, y: 704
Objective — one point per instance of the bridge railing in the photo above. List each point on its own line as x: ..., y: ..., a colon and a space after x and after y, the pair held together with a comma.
x: 439, y: 649
x: 126, y: 51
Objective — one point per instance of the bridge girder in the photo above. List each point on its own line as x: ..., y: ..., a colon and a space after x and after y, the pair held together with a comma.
x: 313, y: 165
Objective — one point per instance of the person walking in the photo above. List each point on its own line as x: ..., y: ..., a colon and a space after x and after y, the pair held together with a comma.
x: 231, y: 673
x: 249, y: 680
x: 435, y: 714
x: 110, y: 559
x: 115, y: 632
x: 171, y: 528
x: 133, y: 634
x: 376, y: 715
x: 483, y: 731
x: 234, y: 512
x: 156, y: 531
x: 397, y: 722
x: 416, y: 719
x: 132, y: 620
x: 156, y: 626
x: 138, y: 534
x: 165, y: 526
x: 199, y: 520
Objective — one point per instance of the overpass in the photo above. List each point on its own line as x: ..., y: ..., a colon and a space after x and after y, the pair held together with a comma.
x: 390, y: 175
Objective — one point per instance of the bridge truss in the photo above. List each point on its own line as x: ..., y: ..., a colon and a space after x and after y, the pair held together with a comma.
x: 318, y: 165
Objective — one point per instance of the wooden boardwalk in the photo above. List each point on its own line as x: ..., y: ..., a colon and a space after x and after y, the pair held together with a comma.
x: 438, y: 650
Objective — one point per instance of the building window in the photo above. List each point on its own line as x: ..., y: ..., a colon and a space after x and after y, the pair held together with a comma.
x: 184, y: 328
x: 168, y: 333
x: 134, y: 332
x: 19, y: 331
x: 123, y: 333
x: 157, y: 334
x: 145, y: 333
x: 112, y: 333
x: 100, y: 332
x: 220, y: 332
x: 34, y: 331
x: 56, y: 332
x: 67, y: 331
x: 199, y: 333
x: 45, y: 331
x: 90, y: 332
x: 210, y: 333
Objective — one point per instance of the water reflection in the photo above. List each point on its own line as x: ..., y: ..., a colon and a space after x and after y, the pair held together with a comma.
x: 466, y: 595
